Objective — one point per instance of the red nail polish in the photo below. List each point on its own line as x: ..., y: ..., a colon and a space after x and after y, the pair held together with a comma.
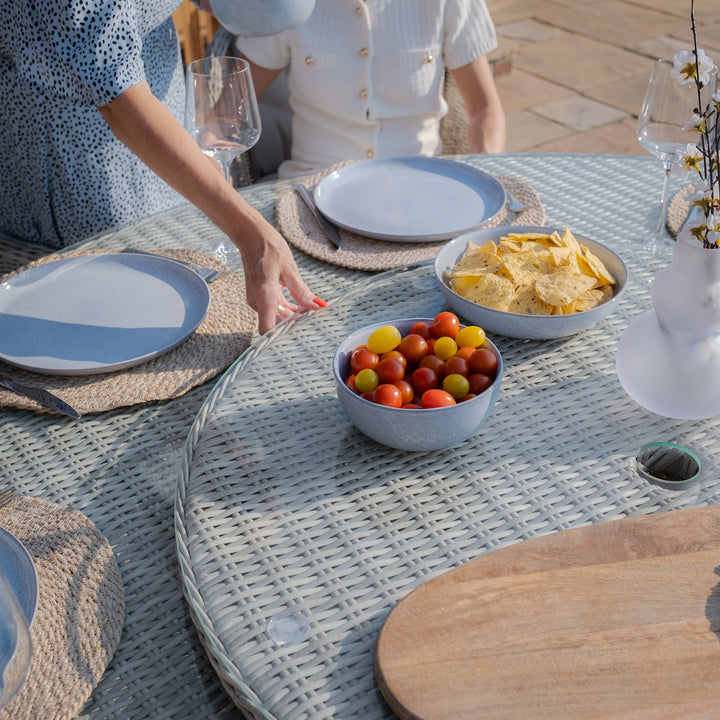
x: 320, y: 302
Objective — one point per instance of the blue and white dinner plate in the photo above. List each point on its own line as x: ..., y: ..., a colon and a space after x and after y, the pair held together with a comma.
x: 97, y: 313
x: 409, y: 199
x: 17, y: 566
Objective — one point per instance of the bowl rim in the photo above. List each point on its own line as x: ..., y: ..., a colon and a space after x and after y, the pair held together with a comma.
x: 340, y: 382
x: 545, y: 319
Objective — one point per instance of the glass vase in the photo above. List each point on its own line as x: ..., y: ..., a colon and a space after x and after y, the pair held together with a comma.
x: 668, y: 359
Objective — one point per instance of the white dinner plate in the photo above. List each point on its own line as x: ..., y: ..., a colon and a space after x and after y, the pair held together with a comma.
x: 18, y: 568
x: 419, y: 199
x: 97, y: 313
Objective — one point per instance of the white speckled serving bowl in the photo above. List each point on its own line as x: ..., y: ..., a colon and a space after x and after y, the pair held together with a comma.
x: 534, y: 327
x: 410, y: 429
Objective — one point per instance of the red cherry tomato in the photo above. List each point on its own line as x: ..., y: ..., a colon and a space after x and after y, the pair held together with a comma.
x: 390, y: 370
x: 469, y: 396
x: 445, y: 324
x: 412, y: 406
x: 369, y: 395
x: 435, y: 398
x: 422, y: 329
x: 362, y: 358
x: 465, y: 352
x: 456, y: 366
x: 350, y: 382
x: 423, y: 379
x: 434, y: 363
x: 407, y: 390
x: 483, y: 361
x: 479, y: 383
x: 413, y: 347
x: 388, y: 394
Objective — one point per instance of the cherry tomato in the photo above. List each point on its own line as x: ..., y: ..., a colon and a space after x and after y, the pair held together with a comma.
x: 366, y: 380
x: 431, y: 343
x: 350, y: 382
x: 434, y: 363
x: 407, y: 390
x: 422, y: 329
x: 423, y: 379
x: 445, y: 347
x: 469, y: 396
x: 395, y: 354
x: 369, y: 395
x: 413, y: 347
x: 470, y: 335
x: 445, y: 324
x: 412, y: 406
x: 435, y: 398
x: 384, y: 339
x: 362, y: 358
x: 479, y: 383
x: 457, y: 385
x: 456, y: 365
x: 465, y: 351
x: 390, y: 370
x: 483, y: 361
x: 388, y: 394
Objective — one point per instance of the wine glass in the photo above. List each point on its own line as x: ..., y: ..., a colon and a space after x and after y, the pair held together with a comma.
x: 666, y: 109
x: 221, y: 113
x: 15, y: 645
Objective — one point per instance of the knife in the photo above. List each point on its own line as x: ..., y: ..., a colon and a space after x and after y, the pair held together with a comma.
x: 44, y: 397
x: 331, y: 232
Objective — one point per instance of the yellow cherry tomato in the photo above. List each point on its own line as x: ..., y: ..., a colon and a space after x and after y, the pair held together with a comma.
x: 384, y: 339
x: 457, y: 385
x: 366, y: 380
x: 471, y: 335
x: 445, y: 347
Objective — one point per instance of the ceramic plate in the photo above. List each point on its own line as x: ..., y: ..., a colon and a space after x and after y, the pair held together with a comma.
x: 97, y: 313
x: 420, y: 199
x: 18, y: 568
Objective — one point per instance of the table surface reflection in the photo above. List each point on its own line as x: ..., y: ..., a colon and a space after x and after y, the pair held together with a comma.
x: 283, y: 507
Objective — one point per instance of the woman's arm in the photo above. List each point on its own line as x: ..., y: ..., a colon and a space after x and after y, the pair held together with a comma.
x: 486, y: 129
x: 141, y: 122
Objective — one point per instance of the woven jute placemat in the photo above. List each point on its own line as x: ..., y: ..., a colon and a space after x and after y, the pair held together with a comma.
x: 300, y: 228
x: 80, y: 609
x: 678, y: 209
x: 224, y: 334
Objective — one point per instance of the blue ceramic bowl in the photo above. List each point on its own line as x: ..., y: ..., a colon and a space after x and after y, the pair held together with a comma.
x: 529, y: 327
x: 418, y: 430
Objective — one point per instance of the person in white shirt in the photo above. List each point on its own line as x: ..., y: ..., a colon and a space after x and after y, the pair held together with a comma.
x: 366, y: 78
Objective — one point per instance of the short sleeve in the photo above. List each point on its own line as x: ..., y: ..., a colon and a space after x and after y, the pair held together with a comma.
x: 272, y: 52
x: 469, y: 32
x: 87, y: 51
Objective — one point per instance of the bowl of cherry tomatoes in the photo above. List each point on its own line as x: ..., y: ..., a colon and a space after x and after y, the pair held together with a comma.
x: 418, y: 384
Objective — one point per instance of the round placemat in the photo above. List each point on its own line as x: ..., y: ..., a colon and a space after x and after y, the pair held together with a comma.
x: 224, y: 334
x: 300, y: 228
x: 678, y: 209
x: 80, y: 611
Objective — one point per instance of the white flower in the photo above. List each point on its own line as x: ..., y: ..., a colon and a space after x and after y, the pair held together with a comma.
x: 686, y: 69
x: 693, y: 123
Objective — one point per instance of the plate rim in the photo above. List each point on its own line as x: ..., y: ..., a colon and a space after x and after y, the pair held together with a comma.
x: 30, y: 605
x: 175, y: 268
x: 436, y: 161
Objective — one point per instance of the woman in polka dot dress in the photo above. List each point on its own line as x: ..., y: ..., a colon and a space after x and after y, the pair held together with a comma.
x: 88, y: 90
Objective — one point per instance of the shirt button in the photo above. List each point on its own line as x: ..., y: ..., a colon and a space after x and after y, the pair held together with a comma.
x: 309, y: 60
x: 364, y: 52
x: 428, y: 59
x: 363, y: 94
x: 358, y: 11
x: 370, y: 153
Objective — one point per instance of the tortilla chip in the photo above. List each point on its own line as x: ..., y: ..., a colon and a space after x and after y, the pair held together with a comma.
x: 562, y: 286
x: 527, y: 302
x: 492, y: 291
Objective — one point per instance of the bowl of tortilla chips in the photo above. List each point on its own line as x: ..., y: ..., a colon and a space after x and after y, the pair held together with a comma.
x: 530, y: 282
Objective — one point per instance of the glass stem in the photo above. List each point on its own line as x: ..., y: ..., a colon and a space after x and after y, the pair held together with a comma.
x: 666, y: 193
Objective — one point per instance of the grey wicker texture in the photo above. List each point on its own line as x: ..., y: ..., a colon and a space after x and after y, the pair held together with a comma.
x: 78, y: 586
x: 225, y: 332
x: 121, y: 468
x: 296, y: 222
x: 283, y: 506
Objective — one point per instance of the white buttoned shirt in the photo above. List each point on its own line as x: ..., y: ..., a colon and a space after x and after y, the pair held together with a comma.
x: 366, y: 76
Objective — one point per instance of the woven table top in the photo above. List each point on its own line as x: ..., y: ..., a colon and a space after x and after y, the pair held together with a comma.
x: 285, y: 511
x: 121, y: 469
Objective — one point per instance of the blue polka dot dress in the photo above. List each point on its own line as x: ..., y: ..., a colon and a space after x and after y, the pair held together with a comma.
x: 63, y: 175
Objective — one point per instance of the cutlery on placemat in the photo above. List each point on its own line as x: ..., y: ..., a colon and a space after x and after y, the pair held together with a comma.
x: 207, y: 274
x: 44, y: 397
x: 330, y: 230
x: 514, y: 205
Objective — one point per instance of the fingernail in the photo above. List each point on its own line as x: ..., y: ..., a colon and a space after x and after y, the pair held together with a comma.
x: 320, y: 302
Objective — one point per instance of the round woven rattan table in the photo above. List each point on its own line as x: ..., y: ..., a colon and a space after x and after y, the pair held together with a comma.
x: 285, y: 512
x: 124, y: 468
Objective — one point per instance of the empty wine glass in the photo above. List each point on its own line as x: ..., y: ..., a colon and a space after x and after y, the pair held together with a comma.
x: 221, y: 113
x: 15, y: 645
x: 666, y: 110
